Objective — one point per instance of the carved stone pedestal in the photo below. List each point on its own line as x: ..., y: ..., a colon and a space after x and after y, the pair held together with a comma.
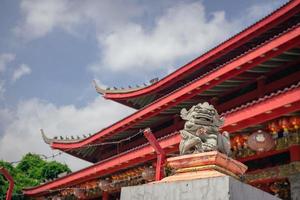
x: 204, y: 165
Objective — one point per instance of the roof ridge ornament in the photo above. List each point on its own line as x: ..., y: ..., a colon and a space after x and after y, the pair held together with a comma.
x: 46, y: 139
x: 60, y: 139
x: 115, y: 90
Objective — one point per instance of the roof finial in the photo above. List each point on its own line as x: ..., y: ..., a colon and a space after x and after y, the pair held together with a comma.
x: 45, y: 138
x: 98, y: 88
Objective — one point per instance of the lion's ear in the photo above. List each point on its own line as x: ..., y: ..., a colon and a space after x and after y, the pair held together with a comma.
x: 184, y: 114
x: 219, y: 121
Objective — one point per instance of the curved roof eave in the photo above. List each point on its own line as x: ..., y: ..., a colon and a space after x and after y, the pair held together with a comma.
x: 237, y: 66
x: 264, y: 24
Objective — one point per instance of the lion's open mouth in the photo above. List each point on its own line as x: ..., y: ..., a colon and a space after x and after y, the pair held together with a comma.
x: 203, y: 118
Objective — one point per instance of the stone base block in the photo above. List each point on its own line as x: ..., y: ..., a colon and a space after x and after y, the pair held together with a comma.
x: 204, y: 165
x: 217, y: 188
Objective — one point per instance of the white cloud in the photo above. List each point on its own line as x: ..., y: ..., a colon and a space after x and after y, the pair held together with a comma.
x: 2, y: 88
x: 257, y: 11
x: 41, y: 17
x: 5, y: 59
x: 21, y: 71
x: 21, y: 131
x: 182, y: 31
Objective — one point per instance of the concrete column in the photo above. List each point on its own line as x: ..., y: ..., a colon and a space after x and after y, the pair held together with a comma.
x: 295, y: 186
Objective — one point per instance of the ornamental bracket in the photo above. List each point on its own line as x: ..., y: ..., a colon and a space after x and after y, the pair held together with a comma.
x: 161, y: 155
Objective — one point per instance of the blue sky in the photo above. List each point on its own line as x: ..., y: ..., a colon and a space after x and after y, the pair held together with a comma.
x: 51, y: 50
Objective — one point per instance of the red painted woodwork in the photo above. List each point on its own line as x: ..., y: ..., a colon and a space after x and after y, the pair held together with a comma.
x: 170, y: 144
x: 161, y: 155
x: 105, y: 195
x: 263, y: 155
x: 263, y: 111
x: 9, y: 178
x: 295, y: 153
x: 247, y: 61
x: 274, y: 86
x: 267, y: 88
x: 262, y: 26
x: 265, y: 181
x: 284, y: 82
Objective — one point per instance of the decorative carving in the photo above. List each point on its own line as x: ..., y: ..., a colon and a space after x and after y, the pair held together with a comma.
x: 201, y: 130
x: 278, y: 172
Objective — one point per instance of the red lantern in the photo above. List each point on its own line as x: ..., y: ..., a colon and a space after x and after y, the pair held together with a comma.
x: 260, y: 141
x: 284, y: 124
x: 295, y: 122
x: 233, y: 144
x: 274, y: 128
x: 239, y: 141
x: 245, y: 138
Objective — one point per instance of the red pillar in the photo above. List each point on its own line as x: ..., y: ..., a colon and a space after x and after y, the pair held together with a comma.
x: 11, y: 182
x: 105, y: 195
x: 295, y: 153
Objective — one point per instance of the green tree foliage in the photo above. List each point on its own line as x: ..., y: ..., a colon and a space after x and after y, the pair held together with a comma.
x: 53, y: 169
x: 30, y: 171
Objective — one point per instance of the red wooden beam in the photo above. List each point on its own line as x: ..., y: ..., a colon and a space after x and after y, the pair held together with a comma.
x: 253, y: 80
x: 253, y: 31
x: 10, y: 179
x: 274, y: 86
x: 265, y: 181
x: 161, y: 155
x: 238, y: 66
x: 262, y: 155
x: 263, y: 111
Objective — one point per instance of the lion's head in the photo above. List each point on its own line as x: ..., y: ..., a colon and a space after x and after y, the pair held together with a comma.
x: 202, y: 114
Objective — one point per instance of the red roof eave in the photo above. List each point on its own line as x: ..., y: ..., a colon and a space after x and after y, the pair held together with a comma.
x: 275, y: 18
x: 284, y: 102
x: 251, y: 59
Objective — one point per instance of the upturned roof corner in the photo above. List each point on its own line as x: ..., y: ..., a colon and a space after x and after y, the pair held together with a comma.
x: 46, y: 139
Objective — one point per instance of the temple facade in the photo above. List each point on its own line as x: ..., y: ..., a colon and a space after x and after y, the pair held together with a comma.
x: 252, y: 80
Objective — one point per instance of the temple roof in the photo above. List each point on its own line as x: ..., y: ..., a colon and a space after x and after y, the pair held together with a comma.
x: 248, y: 87
x: 272, y: 63
x: 263, y: 30
x: 278, y: 68
x: 283, y: 101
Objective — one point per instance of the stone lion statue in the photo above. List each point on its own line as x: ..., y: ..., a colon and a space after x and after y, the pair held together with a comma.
x: 201, y: 131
